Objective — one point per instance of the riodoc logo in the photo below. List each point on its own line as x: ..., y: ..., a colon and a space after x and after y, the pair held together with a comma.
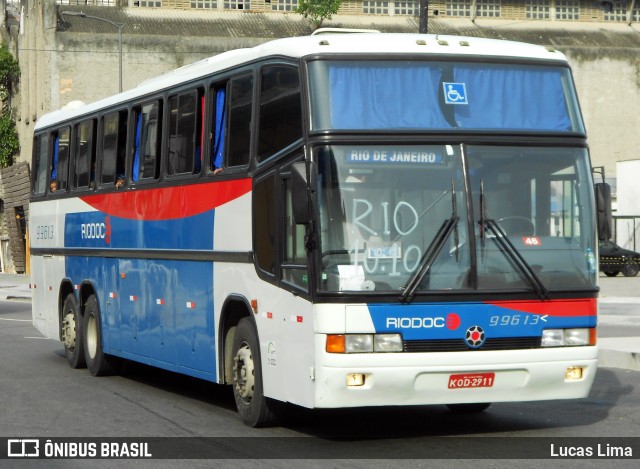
x: 97, y: 230
x: 451, y: 322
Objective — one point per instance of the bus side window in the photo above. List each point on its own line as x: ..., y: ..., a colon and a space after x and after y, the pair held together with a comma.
x: 60, y: 160
x: 114, y: 134
x: 85, y: 154
x: 239, y: 128
x: 280, y: 121
x: 40, y: 154
x: 185, y: 133
x: 147, y: 134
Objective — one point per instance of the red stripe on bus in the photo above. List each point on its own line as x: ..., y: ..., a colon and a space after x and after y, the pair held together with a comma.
x: 169, y: 202
x: 584, y: 307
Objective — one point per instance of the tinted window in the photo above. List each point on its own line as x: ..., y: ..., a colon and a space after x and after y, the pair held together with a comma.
x: 280, y: 110
x: 40, y: 164
x: 241, y: 91
x: 185, y: 133
x: 85, y: 154
x: 146, y: 143
x: 60, y: 160
x: 265, y: 223
x: 114, y: 137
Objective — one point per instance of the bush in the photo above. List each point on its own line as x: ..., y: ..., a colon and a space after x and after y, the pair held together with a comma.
x: 9, y: 141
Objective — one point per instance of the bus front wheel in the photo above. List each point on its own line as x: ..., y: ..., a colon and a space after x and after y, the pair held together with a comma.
x: 72, y: 336
x: 98, y: 362
x: 254, y: 408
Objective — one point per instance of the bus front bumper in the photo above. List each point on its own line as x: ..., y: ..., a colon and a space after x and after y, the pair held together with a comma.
x: 451, y: 378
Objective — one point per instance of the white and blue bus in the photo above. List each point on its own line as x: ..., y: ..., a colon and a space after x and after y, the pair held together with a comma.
x: 332, y: 221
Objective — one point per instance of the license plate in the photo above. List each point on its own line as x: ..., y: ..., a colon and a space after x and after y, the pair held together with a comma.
x: 471, y: 380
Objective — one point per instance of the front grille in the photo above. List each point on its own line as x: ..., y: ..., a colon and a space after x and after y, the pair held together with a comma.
x: 459, y: 345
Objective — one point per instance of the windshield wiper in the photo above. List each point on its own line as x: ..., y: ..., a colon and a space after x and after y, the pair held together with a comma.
x: 448, y: 226
x: 508, y: 248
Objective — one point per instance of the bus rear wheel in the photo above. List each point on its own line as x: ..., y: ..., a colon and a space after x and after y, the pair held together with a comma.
x: 72, y: 336
x: 98, y: 362
x: 254, y: 408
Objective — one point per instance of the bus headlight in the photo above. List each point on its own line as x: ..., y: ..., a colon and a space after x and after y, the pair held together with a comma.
x: 358, y: 343
x: 387, y: 343
x: 363, y: 343
x: 567, y: 337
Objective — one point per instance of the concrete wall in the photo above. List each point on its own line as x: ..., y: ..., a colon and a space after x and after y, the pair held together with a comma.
x: 77, y: 59
x: 608, y: 84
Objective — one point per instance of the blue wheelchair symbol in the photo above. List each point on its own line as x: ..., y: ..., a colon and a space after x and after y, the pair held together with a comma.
x: 455, y: 93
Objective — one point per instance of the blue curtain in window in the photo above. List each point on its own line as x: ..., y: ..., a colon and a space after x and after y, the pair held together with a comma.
x: 404, y: 96
x: 136, y: 154
x: 511, y: 99
x: 219, y: 129
x: 54, y: 169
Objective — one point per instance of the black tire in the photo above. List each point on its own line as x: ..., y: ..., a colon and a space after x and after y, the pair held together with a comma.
x: 98, y: 362
x: 72, y: 335
x: 254, y: 408
x: 611, y: 273
x: 630, y: 270
x: 469, y: 408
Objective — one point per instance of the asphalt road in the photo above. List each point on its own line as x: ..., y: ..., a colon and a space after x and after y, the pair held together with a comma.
x: 41, y: 396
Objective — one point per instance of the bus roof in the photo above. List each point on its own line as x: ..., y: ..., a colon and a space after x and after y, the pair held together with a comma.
x: 327, y: 43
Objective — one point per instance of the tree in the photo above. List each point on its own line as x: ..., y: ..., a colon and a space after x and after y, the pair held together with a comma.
x: 9, y: 140
x: 9, y: 69
x: 318, y: 10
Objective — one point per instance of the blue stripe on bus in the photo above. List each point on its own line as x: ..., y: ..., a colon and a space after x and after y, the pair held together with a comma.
x: 98, y: 230
x: 451, y: 320
x: 157, y: 311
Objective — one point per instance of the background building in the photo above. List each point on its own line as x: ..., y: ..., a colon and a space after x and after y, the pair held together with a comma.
x: 65, y: 57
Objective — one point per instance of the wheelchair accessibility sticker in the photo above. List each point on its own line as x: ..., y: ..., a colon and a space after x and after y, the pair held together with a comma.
x: 455, y: 93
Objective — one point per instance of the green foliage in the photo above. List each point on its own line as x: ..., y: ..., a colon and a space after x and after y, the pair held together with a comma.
x: 318, y: 10
x: 9, y: 68
x: 9, y: 141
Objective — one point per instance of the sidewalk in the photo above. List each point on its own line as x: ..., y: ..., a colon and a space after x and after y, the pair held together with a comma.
x: 15, y: 287
x: 615, y: 352
x: 624, y: 351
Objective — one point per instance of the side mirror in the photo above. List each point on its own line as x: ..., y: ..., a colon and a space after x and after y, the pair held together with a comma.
x: 604, y: 218
x: 300, y: 193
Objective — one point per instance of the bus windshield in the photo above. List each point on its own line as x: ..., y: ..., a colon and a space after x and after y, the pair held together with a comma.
x: 454, y: 96
x: 455, y: 217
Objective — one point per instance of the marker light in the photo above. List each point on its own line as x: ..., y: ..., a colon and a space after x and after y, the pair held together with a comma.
x: 335, y: 343
x: 568, y: 337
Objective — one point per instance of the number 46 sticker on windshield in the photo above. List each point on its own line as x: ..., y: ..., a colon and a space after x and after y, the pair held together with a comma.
x: 531, y: 241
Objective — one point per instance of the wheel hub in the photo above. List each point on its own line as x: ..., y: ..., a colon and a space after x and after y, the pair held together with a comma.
x: 244, y: 373
x: 69, y: 331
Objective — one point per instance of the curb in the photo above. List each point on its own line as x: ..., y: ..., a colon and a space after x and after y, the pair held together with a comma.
x: 18, y: 298
x: 619, y: 359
